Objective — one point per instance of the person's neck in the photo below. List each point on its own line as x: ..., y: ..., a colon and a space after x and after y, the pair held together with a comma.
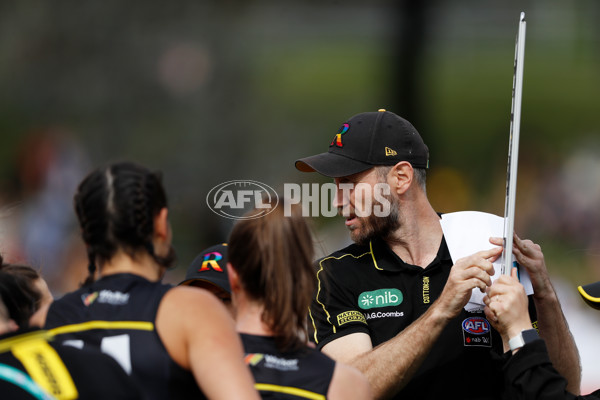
x: 248, y: 318
x: 418, y: 239
x: 142, y: 265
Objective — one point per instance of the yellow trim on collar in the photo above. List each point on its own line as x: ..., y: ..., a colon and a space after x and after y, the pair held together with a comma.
x: 373, y: 255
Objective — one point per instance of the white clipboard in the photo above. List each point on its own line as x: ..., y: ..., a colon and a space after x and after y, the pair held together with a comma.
x: 513, y: 150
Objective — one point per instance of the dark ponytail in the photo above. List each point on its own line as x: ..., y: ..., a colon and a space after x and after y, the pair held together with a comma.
x: 116, y: 206
x: 273, y: 257
x: 18, y: 292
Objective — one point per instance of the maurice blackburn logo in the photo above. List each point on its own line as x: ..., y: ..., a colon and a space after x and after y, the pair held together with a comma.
x: 272, y: 362
x: 106, y: 297
x: 233, y: 198
x: 477, y: 332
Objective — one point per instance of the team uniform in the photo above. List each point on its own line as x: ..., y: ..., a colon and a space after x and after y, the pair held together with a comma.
x: 370, y: 289
x: 116, y: 314
x: 33, y: 367
x: 530, y: 375
x: 301, y: 374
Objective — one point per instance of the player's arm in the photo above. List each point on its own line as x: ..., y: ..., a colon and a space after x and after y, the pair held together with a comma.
x: 200, y: 336
x: 552, y: 325
x: 506, y: 308
x: 389, y: 366
x: 528, y: 373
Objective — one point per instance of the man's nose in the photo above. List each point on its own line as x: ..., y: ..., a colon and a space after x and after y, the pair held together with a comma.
x: 342, y: 194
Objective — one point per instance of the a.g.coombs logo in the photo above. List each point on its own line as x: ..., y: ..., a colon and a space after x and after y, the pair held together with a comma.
x: 233, y: 198
x: 380, y: 298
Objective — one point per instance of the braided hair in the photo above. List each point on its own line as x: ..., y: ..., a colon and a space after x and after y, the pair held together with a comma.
x: 116, y: 206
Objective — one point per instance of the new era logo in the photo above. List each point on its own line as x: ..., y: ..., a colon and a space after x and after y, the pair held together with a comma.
x: 390, y: 152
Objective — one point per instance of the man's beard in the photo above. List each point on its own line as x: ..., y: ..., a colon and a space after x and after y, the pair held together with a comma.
x: 373, y: 226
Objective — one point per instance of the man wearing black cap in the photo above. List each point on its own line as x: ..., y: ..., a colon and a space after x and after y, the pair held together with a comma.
x: 392, y: 303
x: 528, y: 371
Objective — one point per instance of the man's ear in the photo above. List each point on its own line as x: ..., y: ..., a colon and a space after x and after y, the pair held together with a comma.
x: 161, y: 223
x: 400, y: 177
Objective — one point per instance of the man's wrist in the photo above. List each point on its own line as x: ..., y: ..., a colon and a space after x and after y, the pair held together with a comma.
x: 439, y: 314
x: 522, y: 338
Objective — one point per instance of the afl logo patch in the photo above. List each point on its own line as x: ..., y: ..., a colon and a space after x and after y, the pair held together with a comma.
x: 477, y: 332
x: 476, y: 325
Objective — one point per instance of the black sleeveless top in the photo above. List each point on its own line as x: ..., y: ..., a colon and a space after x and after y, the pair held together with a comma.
x: 32, y: 366
x: 301, y: 374
x: 116, y: 314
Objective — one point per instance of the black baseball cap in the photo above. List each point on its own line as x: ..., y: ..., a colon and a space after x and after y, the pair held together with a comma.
x: 210, y: 266
x: 591, y: 294
x: 367, y: 140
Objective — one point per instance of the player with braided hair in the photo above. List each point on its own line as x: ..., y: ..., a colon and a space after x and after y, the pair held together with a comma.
x: 170, y: 346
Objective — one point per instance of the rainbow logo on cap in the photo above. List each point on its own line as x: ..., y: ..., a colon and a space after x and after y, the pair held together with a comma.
x: 337, y: 140
x: 211, y: 262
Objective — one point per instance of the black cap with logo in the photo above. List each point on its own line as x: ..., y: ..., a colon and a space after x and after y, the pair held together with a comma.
x: 367, y: 140
x: 210, y: 266
x: 591, y: 294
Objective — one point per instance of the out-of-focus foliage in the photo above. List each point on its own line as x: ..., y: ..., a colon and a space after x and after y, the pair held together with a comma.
x: 213, y: 91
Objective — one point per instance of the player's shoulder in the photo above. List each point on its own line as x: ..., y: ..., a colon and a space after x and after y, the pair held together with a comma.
x: 79, y: 298
x: 182, y: 299
x: 320, y: 358
x: 349, y: 255
x: 67, y: 308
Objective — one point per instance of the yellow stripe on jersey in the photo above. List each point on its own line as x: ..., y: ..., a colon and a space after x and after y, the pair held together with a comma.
x: 305, y: 394
x: 90, y: 325
x: 46, y: 368
x: 8, y: 343
x: 319, y: 288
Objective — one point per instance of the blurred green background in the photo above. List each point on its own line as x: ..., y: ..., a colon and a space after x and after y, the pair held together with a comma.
x: 209, y: 91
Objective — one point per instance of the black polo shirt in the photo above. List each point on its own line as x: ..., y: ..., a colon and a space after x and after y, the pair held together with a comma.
x: 370, y: 289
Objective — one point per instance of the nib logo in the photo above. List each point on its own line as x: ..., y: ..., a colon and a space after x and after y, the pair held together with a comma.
x: 380, y: 298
